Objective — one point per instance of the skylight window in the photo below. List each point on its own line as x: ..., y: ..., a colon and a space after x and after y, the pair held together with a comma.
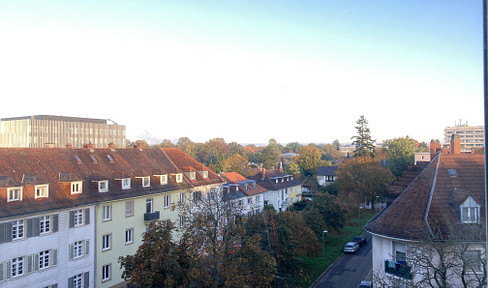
x: 452, y: 172
x: 78, y: 159
x: 93, y: 158
x: 110, y: 158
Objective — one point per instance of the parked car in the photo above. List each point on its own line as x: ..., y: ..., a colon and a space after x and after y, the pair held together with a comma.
x: 365, y: 284
x: 360, y: 240
x: 351, y: 247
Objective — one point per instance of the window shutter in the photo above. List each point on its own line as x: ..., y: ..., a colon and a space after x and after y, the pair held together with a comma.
x: 87, y: 216
x: 70, y: 282
x: 8, y: 232
x: 3, y: 234
x: 86, y: 280
x: 36, y: 262
x: 30, y: 227
x: 55, y: 222
x: 29, y: 263
x: 87, y: 246
x: 71, y: 248
x: 54, y: 255
x: 2, y: 271
x: 71, y: 219
x: 36, y: 226
x: 8, y: 270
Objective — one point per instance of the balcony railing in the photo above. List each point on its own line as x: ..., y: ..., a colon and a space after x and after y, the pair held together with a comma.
x: 151, y: 216
x: 399, y: 269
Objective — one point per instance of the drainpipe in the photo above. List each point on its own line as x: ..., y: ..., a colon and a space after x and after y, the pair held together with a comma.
x: 485, y: 94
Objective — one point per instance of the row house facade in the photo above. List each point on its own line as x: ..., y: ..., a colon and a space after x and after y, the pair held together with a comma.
x: 283, y: 189
x: 66, y: 215
x: 246, y: 193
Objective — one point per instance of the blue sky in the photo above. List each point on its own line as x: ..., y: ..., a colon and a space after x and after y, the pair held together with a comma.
x: 246, y: 71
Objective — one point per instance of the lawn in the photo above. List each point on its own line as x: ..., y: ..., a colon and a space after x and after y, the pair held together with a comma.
x: 334, y: 245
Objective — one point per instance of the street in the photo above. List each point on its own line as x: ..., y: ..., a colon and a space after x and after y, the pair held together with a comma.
x: 349, y: 270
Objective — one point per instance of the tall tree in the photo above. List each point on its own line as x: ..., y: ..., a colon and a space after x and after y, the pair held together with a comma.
x: 270, y: 154
x: 236, y: 163
x: 363, y: 178
x: 309, y: 160
x: 187, y: 146
x: 400, y: 154
x: 362, y: 141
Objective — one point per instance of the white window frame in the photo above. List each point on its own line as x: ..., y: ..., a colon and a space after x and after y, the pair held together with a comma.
x: 79, y: 217
x: 18, y: 230
x: 163, y: 179
x: 179, y: 178
x: 129, y: 208
x: 125, y: 183
x: 468, y: 208
x: 18, y: 267
x: 78, y: 281
x: 103, y: 186
x: 44, y: 225
x: 107, y: 272
x: 182, y: 198
x: 167, y: 200
x: 204, y: 174
x: 44, y: 259
x: 182, y: 221
x: 78, y: 247
x: 76, y: 187
x: 146, y: 181
x: 14, y: 194
x: 106, y: 242
x: 106, y: 213
x: 149, y: 201
x: 399, y: 248
x: 129, y: 236
x: 42, y: 191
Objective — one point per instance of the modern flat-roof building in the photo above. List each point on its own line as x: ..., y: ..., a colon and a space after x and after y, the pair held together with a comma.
x: 470, y: 136
x: 39, y: 131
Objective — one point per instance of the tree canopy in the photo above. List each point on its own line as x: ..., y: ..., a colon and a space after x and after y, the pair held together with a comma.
x: 362, y: 141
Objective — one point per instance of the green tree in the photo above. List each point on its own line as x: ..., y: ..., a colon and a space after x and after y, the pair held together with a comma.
x: 362, y: 141
x: 400, y: 154
x: 187, y: 146
x: 236, y: 163
x: 293, y: 147
x: 363, y: 178
x: 269, y: 155
x: 329, y: 213
x: 309, y: 160
x: 293, y: 168
x: 166, y: 143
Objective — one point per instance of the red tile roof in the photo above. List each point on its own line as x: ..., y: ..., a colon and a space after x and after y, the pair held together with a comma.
x: 431, y: 199
x: 235, y: 178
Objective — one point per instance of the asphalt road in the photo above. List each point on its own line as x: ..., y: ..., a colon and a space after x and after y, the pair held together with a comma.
x: 349, y: 270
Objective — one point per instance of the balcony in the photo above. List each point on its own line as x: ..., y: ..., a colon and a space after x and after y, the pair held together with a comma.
x: 151, y: 216
x: 399, y: 269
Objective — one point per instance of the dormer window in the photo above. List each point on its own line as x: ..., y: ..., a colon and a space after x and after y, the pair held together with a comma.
x: 14, y: 194
x: 470, y: 211
x: 178, y: 178
x: 163, y: 179
x: 42, y: 191
x: 125, y: 183
x: 76, y: 187
x: 204, y: 174
x: 191, y: 175
x: 103, y: 186
x: 146, y: 181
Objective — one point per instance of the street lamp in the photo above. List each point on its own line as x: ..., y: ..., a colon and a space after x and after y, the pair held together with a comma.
x: 323, y: 243
x: 359, y: 213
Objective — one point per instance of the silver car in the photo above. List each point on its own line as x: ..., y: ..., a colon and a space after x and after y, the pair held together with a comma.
x: 351, y: 247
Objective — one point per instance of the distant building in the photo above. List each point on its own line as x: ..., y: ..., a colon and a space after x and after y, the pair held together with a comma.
x: 326, y: 175
x: 470, y: 136
x: 40, y: 131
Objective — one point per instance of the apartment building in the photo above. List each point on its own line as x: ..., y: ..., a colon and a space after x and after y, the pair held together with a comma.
x: 41, y: 131
x: 471, y: 136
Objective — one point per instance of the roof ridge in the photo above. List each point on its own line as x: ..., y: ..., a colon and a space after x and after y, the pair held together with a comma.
x: 431, y: 196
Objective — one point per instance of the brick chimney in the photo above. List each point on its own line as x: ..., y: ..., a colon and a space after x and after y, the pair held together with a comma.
x: 263, y: 174
x: 90, y: 146
x: 111, y: 146
x: 455, y: 146
x: 69, y: 146
x: 435, y: 147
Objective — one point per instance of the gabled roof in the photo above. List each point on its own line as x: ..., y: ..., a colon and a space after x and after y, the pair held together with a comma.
x: 186, y: 163
x: 249, y: 189
x: 267, y: 179
x: 327, y: 171
x: 428, y: 200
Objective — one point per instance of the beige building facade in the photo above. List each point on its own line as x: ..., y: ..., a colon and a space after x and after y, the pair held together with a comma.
x: 471, y: 136
x: 40, y: 131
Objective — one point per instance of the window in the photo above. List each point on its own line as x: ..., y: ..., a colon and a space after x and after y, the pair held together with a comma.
x: 77, y: 249
x: 167, y: 199
x: 44, y: 224
x: 257, y: 198
x: 107, y: 213
x: 78, y: 217
x: 472, y: 259
x: 17, y: 266
x: 179, y: 178
x: 17, y: 229
x: 204, y: 174
x: 163, y: 179
x: 44, y: 259
x: 129, y: 236
x: 182, y: 198
x: 249, y: 201
x: 129, y: 208
x: 76, y: 187
x: 106, y: 272
x: 77, y: 281
x: 182, y: 221
x: 126, y: 183
x: 42, y: 191
x: 93, y: 158
x: 106, y: 242
x: 146, y: 181
x: 103, y: 186
x: 191, y: 175
x: 149, y: 208
x: 14, y: 194
x: 197, y: 196
x: 470, y: 211
x: 399, y: 252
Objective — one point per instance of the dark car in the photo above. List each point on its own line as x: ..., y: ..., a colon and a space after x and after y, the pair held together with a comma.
x: 351, y: 247
x: 360, y: 240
